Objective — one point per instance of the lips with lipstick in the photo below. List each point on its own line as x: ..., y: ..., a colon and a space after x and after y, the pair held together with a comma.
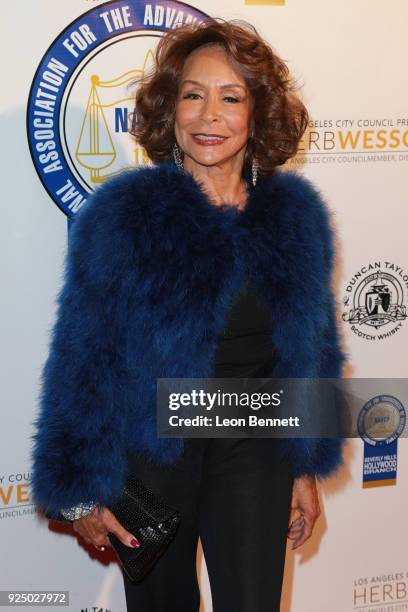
x: 208, y: 139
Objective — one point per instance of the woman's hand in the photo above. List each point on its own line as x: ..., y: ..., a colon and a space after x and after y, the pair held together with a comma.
x: 305, y: 501
x: 95, y: 526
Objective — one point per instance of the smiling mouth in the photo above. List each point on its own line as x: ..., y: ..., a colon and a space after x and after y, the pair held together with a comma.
x: 209, y: 139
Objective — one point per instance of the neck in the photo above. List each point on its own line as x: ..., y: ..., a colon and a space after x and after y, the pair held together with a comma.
x: 222, y: 182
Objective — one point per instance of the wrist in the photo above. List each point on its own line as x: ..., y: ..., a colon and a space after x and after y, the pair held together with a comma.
x: 305, y: 478
x: 76, y: 512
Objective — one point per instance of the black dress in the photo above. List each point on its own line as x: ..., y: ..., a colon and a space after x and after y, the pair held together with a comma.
x: 245, y: 348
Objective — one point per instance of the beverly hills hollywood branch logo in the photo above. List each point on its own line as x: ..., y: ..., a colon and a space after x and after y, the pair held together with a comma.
x: 375, y: 300
x: 83, y: 91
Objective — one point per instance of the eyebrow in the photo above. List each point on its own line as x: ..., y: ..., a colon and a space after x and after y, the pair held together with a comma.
x: 225, y: 86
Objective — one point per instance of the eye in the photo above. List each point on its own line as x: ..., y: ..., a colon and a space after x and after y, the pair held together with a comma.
x: 189, y: 96
x: 186, y: 96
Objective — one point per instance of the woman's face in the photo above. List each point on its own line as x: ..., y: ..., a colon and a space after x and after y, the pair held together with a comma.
x: 212, y: 100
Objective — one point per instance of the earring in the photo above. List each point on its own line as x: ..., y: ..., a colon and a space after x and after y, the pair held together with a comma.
x: 254, y: 170
x: 177, y: 156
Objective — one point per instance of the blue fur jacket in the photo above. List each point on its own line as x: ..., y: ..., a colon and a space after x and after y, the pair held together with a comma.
x: 152, y: 269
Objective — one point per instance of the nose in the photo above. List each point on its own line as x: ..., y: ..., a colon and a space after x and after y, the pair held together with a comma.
x: 210, y: 109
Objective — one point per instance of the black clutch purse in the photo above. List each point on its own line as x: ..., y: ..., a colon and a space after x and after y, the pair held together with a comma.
x: 149, y: 518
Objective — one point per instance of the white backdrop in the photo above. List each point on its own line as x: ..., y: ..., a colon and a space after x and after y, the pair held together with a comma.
x: 350, y: 57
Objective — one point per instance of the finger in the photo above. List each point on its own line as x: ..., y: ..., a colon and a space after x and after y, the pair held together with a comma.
x: 304, y: 535
x: 298, y: 521
x: 296, y: 528
x: 293, y: 514
x: 295, y: 532
x: 102, y: 545
x: 96, y: 539
x: 98, y: 533
x: 101, y: 539
x: 294, y: 536
x: 304, y: 532
x: 112, y: 525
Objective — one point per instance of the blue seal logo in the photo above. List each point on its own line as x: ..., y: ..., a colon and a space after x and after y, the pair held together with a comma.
x: 83, y: 92
x: 381, y: 420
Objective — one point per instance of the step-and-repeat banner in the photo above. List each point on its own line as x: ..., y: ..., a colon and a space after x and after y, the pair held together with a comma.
x: 68, y: 84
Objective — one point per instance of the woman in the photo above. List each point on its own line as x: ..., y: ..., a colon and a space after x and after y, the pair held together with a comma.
x: 209, y: 263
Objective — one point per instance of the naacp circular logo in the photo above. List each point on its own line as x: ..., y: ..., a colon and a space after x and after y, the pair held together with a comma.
x: 381, y: 420
x: 83, y: 91
x: 375, y: 300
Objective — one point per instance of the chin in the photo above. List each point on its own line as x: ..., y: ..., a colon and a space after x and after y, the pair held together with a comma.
x: 211, y: 160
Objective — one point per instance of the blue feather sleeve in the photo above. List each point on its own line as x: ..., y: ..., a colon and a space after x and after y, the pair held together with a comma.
x: 78, y: 444
x: 322, y: 457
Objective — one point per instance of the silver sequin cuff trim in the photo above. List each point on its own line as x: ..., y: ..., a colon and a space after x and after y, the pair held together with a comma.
x: 77, y: 512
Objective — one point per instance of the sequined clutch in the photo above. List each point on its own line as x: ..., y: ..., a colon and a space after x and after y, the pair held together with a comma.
x: 147, y: 516
x: 151, y: 520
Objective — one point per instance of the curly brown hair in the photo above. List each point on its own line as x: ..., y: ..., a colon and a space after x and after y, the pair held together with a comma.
x: 279, y: 118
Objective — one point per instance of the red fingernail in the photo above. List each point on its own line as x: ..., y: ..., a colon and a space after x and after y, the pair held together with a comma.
x: 135, y: 543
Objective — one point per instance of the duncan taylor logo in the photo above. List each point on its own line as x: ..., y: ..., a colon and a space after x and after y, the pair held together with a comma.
x: 83, y: 91
x: 375, y: 300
